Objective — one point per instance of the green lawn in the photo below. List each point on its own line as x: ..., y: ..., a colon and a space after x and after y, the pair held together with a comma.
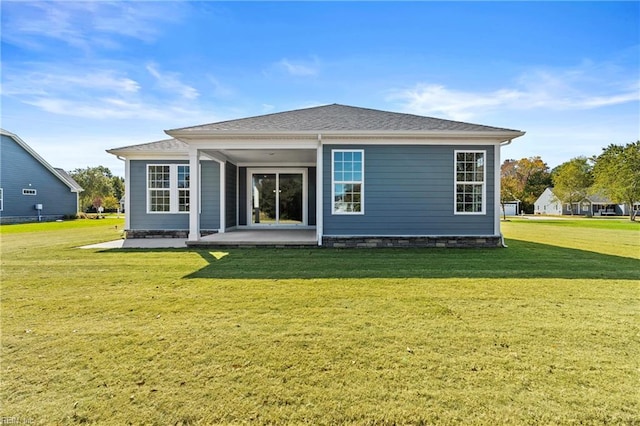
x: 546, y: 331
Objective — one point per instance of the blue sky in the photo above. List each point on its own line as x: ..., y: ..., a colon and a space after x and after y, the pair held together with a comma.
x: 82, y: 77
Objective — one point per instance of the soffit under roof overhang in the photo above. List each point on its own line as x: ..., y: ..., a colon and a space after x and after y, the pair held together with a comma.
x: 217, y: 135
x: 299, y: 146
x: 265, y: 156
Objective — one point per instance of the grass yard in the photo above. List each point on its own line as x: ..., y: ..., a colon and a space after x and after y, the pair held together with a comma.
x: 544, y: 332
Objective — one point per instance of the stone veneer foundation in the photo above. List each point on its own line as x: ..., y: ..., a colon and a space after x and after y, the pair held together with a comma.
x: 160, y: 233
x: 436, y: 242
x: 342, y: 242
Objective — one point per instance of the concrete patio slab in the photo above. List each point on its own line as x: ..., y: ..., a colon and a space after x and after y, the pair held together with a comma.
x: 259, y: 237
x: 236, y: 238
x: 139, y: 243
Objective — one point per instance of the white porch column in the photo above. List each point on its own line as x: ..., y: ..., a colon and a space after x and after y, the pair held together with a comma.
x: 497, y: 189
x: 319, y: 192
x: 194, y: 194
x: 127, y: 196
x: 223, y: 196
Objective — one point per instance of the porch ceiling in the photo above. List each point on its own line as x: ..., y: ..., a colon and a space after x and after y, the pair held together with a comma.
x: 267, y: 156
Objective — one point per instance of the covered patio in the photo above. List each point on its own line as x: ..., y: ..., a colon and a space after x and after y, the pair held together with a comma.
x: 278, y: 186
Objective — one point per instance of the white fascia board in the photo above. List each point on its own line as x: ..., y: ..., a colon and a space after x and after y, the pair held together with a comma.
x: 157, y: 155
x: 130, y: 151
x: 443, y: 135
x: 451, y: 142
x: 38, y: 158
x: 267, y: 165
x: 285, y: 140
x: 218, y: 134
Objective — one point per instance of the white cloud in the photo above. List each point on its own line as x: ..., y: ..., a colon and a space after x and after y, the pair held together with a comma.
x: 573, y: 89
x: 45, y: 80
x: 267, y: 108
x: 433, y: 99
x: 85, y: 24
x: 167, y: 114
x: 220, y: 90
x: 171, y: 82
x: 300, y: 68
x: 76, y: 90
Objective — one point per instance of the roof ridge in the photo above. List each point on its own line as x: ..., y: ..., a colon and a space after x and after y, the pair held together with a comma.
x: 345, y: 117
x: 251, y: 117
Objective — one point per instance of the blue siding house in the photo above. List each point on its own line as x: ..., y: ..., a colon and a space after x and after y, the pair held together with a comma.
x: 357, y: 177
x: 30, y: 188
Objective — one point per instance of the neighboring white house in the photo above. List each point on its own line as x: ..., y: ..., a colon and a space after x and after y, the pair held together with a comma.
x: 547, y: 203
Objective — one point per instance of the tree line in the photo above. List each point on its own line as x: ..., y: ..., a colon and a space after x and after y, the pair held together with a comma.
x: 614, y: 174
x: 101, y: 188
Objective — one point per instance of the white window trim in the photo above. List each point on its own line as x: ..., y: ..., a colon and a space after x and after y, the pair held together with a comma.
x: 180, y: 189
x: 333, y: 183
x: 173, y: 189
x: 483, y: 183
x: 278, y: 171
x: 1, y: 199
x: 29, y: 191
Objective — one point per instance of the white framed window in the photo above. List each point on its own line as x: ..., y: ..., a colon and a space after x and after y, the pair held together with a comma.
x: 1, y: 199
x: 29, y: 191
x: 168, y: 188
x: 347, y: 181
x: 470, y: 182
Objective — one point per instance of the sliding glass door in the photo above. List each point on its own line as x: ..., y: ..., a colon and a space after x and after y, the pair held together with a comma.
x: 277, y: 197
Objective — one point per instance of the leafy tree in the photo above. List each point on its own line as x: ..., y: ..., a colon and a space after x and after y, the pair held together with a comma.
x: 118, y: 187
x: 97, y: 203
x: 617, y: 174
x: 97, y: 182
x: 524, y: 180
x: 111, y: 203
x: 572, y: 180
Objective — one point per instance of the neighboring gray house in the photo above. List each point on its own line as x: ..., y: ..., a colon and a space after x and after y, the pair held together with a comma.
x: 30, y: 189
x: 592, y: 205
x: 356, y: 176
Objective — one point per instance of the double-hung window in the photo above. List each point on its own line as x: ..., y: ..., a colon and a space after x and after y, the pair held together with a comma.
x: 347, y: 176
x: 470, y: 182
x: 167, y: 188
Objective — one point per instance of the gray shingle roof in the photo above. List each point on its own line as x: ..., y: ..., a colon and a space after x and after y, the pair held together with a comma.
x: 338, y: 117
x: 71, y: 181
x: 163, y: 145
x: 599, y: 199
